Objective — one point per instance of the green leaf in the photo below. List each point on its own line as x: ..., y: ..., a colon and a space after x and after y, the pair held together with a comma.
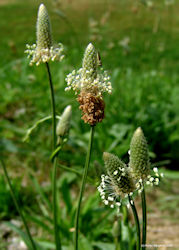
x: 8, y: 145
x: 91, y: 203
x: 55, y: 152
x: 84, y: 243
x: 68, y: 247
x: 39, y: 220
x: 41, y: 193
x: 37, y: 123
x: 65, y: 190
x: 125, y: 235
x: 20, y: 233
x: 170, y: 174
x: 47, y: 245
x: 104, y: 246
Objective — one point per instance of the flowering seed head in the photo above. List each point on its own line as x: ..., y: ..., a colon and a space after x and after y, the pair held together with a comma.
x: 139, y: 157
x: 90, y: 83
x: 63, y: 125
x: 89, y: 78
x: 118, y: 184
x: 119, y: 174
x: 43, y: 51
x: 43, y: 29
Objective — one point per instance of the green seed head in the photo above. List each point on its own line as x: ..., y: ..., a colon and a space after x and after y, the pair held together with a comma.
x: 44, y: 38
x: 139, y: 157
x: 63, y: 125
x: 90, y: 63
x: 119, y: 174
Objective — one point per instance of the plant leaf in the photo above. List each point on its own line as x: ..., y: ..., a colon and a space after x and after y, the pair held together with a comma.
x: 104, y: 246
x: 20, y: 233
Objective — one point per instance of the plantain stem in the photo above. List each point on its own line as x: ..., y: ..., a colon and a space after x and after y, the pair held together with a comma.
x: 88, y: 156
x: 54, y: 171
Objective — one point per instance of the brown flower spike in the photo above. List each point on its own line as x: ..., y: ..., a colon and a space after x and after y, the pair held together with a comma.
x: 92, y: 108
x: 91, y: 83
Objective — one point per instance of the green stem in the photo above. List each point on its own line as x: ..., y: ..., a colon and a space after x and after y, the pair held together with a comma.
x: 52, y: 106
x: 117, y: 246
x: 17, y: 205
x: 88, y: 156
x: 54, y: 171
x: 136, y: 218
x: 144, y: 219
x: 54, y: 198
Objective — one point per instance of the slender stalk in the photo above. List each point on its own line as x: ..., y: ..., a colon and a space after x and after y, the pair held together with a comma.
x: 88, y: 156
x: 52, y: 106
x: 54, y: 198
x: 117, y: 246
x: 54, y: 171
x: 17, y: 205
x: 116, y: 234
x: 136, y: 218
x: 144, y: 219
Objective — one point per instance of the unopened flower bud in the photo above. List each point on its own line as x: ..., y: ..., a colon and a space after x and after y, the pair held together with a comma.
x: 63, y: 125
x: 139, y: 157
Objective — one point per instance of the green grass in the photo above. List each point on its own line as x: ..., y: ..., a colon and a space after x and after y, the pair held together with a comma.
x: 7, y: 207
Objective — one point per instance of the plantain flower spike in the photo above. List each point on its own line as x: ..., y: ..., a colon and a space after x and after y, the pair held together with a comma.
x: 90, y: 83
x: 139, y: 156
x: 43, y: 29
x: 89, y: 65
x: 43, y: 51
x: 118, y: 183
x: 139, y: 162
x: 63, y: 125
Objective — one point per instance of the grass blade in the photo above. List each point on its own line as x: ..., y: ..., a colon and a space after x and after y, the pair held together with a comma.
x: 20, y: 233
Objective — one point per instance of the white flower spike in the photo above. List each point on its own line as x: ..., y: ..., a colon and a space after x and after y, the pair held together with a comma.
x: 88, y: 78
x: 43, y: 51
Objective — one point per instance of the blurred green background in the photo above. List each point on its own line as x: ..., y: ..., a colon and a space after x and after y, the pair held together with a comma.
x: 138, y: 42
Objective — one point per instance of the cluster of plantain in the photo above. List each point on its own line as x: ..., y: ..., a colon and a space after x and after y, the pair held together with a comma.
x: 122, y: 181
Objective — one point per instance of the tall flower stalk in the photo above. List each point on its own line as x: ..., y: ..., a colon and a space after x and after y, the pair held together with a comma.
x: 54, y: 170
x: 89, y: 83
x: 136, y: 218
x: 144, y: 218
x: 122, y: 181
x: 42, y: 52
x: 85, y: 173
x: 52, y: 106
x: 140, y: 167
x: 117, y: 186
x: 18, y: 206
